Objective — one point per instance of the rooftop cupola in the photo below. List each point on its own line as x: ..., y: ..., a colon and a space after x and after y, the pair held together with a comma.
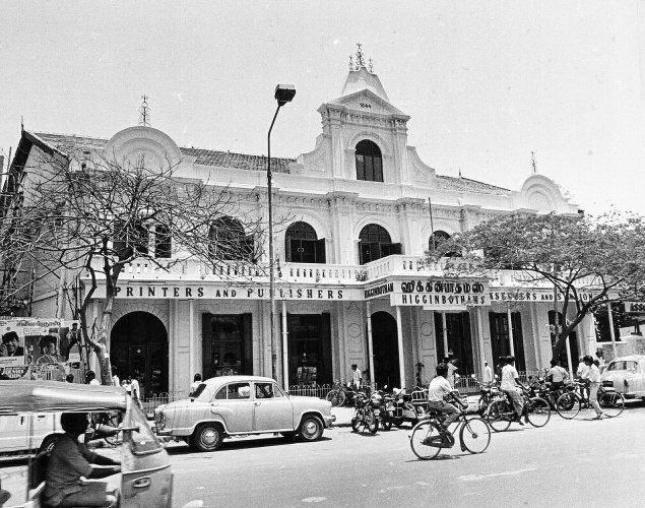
x: 362, y: 77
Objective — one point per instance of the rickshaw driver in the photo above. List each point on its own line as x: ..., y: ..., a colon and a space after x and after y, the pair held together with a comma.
x: 69, y: 461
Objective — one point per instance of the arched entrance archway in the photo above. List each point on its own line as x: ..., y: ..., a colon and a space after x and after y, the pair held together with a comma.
x: 139, y: 347
x: 386, y: 349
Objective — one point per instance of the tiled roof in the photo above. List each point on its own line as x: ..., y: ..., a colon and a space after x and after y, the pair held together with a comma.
x: 467, y: 185
x: 236, y: 160
x: 204, y: 157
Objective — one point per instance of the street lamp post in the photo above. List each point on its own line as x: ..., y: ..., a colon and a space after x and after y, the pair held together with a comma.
x: 282, y: 94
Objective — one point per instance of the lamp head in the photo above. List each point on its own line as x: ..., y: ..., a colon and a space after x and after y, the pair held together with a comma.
x: 284, y: 94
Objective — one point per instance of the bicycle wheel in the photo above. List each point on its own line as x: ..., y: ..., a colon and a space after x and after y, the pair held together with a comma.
x: 338, y: 399
x: 499, y: 415
x: 475, y: 434
x: 538, y: 412
x: 612, y: 403
x: 568, y: 405
x: 424, y: 432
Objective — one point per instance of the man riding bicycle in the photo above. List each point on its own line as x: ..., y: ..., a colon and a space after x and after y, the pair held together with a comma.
x: 439, y: 389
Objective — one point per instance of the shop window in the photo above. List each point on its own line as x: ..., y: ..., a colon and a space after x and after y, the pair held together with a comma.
x: 375, y: 243
x: 163, y: 244
x: 302, y: 244
x: 227, y: 241
x: 369, y: 162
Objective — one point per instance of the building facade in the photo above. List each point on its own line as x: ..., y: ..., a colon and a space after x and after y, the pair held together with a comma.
x: 355, y: 216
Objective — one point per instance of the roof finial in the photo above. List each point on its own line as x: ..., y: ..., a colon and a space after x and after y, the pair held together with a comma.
x: 533, y: 163
x: 460, y: 173
x: 22, y: 123
x: 351, y: 62
x: 360, y: 60
x: 370, y: 66
x: 144, y: 112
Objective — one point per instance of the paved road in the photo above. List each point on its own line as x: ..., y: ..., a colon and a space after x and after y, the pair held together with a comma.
x: 566, y: 463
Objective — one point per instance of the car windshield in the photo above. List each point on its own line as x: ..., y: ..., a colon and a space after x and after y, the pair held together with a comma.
x: 623, y: 365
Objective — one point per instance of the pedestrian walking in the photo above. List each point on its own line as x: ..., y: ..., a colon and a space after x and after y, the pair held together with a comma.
x: 356, y: 377
x: 488, y: 373
x: 593, y: 375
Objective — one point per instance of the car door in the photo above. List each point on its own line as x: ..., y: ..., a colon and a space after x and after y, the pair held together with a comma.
x: 146, y: 475
x: 273, y: 410
x: 234, y: 404
x: 14, y: 432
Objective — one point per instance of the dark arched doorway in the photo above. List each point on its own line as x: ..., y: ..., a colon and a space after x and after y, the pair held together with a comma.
x: 139, y: 348
x: 386, y: 349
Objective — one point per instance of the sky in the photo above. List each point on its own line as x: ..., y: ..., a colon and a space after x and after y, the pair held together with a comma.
x: 485, y: 83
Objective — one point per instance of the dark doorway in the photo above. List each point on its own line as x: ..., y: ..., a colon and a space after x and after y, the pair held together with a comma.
x: 459, y: 342
x: 386, y: 350
x: 499, y: 337
x: 309, y: 349
x: 227, y: 347
x: 573, y: 342
x: 139, y: 348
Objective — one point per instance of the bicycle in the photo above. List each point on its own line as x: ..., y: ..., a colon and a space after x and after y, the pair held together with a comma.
x: 571, y: 402
x: 430, y: 435
x: 500, y: 413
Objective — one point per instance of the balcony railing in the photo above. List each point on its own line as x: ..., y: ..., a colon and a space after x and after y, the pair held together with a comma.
x: 396, y: 265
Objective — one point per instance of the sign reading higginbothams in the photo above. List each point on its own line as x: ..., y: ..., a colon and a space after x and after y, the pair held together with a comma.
x: 232, y: 292
x: 440, y: 293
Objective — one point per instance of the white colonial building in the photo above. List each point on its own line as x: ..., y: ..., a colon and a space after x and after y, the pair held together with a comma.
x: 351, y: 285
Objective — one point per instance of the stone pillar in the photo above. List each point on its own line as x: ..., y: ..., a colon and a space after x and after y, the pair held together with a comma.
x: 285, y: 347
x: 399, y: 338
x: 370, y: 346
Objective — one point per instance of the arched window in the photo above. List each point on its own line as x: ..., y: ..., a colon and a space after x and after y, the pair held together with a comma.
x: 302, y: 244
x: 375, y: 243
x: 130, y: 240
x: 227, y: 241
x: 437, y: 238
x: 369, y: 162
x: 163, y: 243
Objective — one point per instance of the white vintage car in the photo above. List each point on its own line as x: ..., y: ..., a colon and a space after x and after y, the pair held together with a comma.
x: 627, y: 375
x: 241, y: 405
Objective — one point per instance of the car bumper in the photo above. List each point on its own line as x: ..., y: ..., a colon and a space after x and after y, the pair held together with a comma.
x: 329, y: 420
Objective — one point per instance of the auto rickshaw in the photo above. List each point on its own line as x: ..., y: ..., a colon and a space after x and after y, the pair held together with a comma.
x: 145, y: 479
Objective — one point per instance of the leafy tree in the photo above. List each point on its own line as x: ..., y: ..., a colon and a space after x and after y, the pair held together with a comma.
x: 87, y: 217
x: 604, y: 256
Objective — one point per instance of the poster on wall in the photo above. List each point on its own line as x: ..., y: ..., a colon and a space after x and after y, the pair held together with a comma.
x: 33, y: 348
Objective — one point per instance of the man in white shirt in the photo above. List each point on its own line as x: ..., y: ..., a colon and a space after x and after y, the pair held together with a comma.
x: 593, y: 375
x: 439, y: 389
x: 488, y: 373
x: 509, y: 385
x: 357, y: 376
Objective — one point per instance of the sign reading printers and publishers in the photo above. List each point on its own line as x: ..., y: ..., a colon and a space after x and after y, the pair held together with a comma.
x: 440, y: 293
x: 233, y: 292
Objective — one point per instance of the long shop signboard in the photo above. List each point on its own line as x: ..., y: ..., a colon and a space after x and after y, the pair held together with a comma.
x: 440, y: 293
x: 229, y: 292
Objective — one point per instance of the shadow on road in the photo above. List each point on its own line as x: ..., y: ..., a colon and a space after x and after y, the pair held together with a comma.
x: 235, y: 444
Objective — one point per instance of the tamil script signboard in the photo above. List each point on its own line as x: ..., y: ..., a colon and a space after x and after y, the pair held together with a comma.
x: 440, y: 293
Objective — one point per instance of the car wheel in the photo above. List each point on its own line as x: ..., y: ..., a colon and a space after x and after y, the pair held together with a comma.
x: 206, y: 438
x: 311, y: 428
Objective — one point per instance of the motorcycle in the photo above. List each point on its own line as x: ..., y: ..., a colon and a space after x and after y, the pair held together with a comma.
x: 386, y: 409
x: 365, y: 416
x: 408, y: 408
